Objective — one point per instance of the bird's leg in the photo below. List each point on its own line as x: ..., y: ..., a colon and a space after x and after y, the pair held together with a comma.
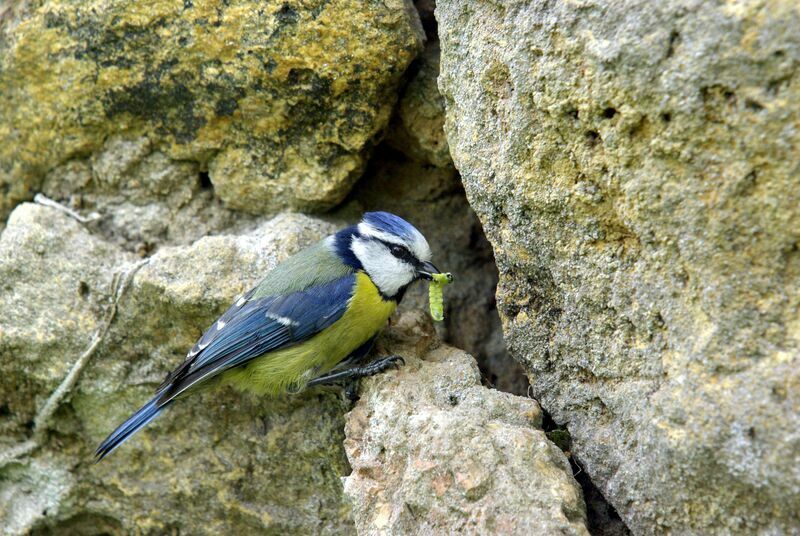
x: 354, y: 373
x: 359, y: 355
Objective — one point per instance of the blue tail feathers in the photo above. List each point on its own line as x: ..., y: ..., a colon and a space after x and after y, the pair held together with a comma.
x: 136, y: 422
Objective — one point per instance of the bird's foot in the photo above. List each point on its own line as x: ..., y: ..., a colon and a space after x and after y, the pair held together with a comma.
x: 381, y: 365
x: 349, y: 377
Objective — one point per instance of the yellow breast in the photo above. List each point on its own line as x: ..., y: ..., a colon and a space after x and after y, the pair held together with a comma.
x: 294, y: 366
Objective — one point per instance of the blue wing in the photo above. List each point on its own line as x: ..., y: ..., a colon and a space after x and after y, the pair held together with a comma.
x: 251, y: 327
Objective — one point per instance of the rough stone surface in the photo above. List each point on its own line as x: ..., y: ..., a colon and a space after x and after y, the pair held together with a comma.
x: 54, y: 278
x: 434, y: 452
x: 142, y: 199
x: 635, y: 166
x: 418, y: 127
x: 218, y: 462
x: 279, y: 101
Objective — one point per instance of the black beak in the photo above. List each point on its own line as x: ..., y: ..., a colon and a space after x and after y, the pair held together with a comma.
x: 426, y: 270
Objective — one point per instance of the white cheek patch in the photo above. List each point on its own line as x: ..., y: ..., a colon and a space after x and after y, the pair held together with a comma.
x: 388, y: 272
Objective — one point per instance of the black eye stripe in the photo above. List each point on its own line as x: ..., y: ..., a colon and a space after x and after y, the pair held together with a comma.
x: 401, y: 252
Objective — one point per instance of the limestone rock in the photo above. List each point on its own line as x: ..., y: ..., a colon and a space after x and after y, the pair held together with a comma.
x: 55, y: 279
x: 433, y: 452
x: 418, y: 128
x: 144, y: 199
x: 635, y: 166
x: 218, y: 462
x: 279, y: 101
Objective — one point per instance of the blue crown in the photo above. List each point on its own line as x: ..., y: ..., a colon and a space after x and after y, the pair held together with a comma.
x: 389, y: 223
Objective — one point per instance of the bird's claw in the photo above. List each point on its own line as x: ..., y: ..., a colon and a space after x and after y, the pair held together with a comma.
x: 386, y: 363
x: 376, y: 367
x: 351, y: 390
x: 396, y: 361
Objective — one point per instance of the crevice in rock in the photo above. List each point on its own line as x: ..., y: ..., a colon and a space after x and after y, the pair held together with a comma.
x: 84, y: 523
x: 205, y: 181
x: 425, y: 8
x: 602, y: 517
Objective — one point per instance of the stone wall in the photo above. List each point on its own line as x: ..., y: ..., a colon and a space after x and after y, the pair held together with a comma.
x: 635, y: 166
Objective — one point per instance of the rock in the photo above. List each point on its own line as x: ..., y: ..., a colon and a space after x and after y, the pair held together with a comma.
x: 433, y: 452
x: 635, y: 167
x: 418, y: 128
x: 278, y: 101
x: 55, y: 279
x: 220, y: 461
x: 144, y: 199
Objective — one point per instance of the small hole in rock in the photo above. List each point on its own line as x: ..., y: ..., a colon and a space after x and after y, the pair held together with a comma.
x: 729, y: 96
x: 753, y: 105
x: 673, y: 39
x: 609, y: 112
x: 592, y: 137
x: 83, y: 289
x: 205, y: 181
x: 666, y: 117
x: 453, y: 399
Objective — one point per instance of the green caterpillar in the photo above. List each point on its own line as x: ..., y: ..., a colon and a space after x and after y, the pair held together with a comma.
x: 435, y: 297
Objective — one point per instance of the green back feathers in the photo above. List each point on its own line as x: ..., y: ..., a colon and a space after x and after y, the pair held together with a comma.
x: 315, y: 265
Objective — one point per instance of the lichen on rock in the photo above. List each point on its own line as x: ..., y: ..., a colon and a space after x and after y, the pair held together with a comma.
x: 279, y: 101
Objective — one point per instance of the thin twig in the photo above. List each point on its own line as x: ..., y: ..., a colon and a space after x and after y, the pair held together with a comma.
x: 17, y: 451
x: 580, y: 468
x: 119, y: 284
x: 43, y: 200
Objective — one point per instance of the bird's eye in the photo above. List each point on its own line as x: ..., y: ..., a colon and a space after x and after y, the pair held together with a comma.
x: 399, y: 251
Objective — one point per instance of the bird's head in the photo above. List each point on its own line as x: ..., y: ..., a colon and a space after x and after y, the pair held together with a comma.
x: 389, y: 249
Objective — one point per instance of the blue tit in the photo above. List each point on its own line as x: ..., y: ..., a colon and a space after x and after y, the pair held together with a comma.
x: 311, y: 321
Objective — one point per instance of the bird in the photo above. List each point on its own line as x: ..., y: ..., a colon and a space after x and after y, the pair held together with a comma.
x: 311, y: 321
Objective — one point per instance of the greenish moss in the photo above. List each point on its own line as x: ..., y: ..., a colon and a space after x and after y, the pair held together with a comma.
x: 289, y: 94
